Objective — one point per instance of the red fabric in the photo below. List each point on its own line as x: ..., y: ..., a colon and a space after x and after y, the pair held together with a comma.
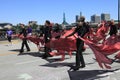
x: 66, y: 44
x: 101, y: 51
x: 111, y: 45
x: 35, y: 39
x: 20, y: 36
x: 62, y: 44
x: 100, y: 34
x: 69, y: 44
x: 101, y: 58
x: 54, y: 34
x: 117, y: 56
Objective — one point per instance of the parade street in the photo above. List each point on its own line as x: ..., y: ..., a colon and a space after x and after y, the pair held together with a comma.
x: 30, y: 65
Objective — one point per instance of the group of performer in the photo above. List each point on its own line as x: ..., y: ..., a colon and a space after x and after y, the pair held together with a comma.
x: 61, y: 40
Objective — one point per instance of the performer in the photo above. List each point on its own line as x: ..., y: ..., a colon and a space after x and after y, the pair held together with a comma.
x: 113, y: 28
x: 47, y: 37
x: 81, y: 29
x: 56, y: 33
x: 24, y: 40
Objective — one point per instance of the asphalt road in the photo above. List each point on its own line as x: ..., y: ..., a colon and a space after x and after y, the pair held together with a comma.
x: 30, y: 66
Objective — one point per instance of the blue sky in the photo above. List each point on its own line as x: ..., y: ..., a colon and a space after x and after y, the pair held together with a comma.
x: 22, y: 11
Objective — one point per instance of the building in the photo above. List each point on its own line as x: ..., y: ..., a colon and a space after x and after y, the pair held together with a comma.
x: 105, y: 17
x: 95, y: 18
x: 77, y: 17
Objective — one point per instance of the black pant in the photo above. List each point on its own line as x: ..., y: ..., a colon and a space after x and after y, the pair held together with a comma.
x: 24, y: 42
x: 46, y: 49
x: 9, y: 38
x: 79, y: 56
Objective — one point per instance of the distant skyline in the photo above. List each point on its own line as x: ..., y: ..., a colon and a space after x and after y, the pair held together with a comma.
x: 22, y: 11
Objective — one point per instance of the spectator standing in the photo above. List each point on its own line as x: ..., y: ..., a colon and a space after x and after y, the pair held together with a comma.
x: 9, y: 33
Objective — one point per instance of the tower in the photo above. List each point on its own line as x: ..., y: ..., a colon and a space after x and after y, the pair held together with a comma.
x: 64, y: 20
x: 80, y: 14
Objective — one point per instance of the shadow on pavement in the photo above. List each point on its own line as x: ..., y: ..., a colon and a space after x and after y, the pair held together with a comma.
x: 117, y: 61
x: 39, y: 54
x: 58, y: 64
x: 15, y: 50
x: 51, y: 59
x: 35, y: 54
x: 88, y: 74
